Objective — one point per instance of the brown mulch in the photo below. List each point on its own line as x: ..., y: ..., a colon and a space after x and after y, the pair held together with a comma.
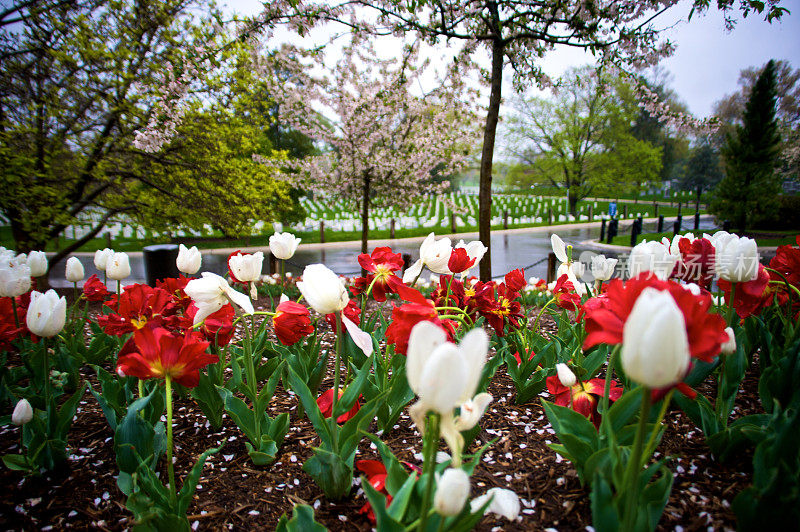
x: 235, y: 495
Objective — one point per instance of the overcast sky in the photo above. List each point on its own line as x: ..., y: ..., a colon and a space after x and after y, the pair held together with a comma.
x: 708, y: 59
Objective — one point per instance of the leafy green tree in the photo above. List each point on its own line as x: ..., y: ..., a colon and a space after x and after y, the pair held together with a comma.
x: 747, y: 192
x: 702, y: 171
x: 80, y: 79
x: 730, y: 110
x: 581, y: 139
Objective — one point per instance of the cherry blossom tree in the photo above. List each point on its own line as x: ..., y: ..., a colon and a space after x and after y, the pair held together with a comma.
x: 518, y: 34
x: 386, y: 144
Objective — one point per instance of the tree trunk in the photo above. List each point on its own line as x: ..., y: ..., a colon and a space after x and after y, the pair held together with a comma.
x: 365, y: 214
x: 489, y: 133
x: 573, y: 205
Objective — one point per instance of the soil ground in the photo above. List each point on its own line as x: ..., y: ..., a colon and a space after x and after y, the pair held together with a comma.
x: 235, y: 495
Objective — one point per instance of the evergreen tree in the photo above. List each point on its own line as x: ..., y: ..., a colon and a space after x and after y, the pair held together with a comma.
x: 747, y: 192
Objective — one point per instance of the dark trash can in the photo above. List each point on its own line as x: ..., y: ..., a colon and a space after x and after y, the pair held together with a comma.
x: 159, y: 262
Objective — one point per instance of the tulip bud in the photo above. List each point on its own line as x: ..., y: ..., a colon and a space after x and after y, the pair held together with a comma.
x: 736, y: 259
x: 565, y: 375
x: 323, y: 289
x: 74, y: 270
x: 729, y: 347
x: 283, y: 245
x: 118, y: 266
x: 452, y: 492
x: 101, y: 257
x: 15, y: 280
x: 603, y: 268
x: 652, y: 257
x: 23, y: 413
x: 655, y: 346
x: 47, y: 313
x: 37, y: 262
x: 189, y: 260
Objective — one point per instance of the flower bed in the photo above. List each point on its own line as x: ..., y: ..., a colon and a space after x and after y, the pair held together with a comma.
x: 543, y: 396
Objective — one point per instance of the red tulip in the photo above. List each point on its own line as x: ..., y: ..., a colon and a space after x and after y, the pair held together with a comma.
x: 156, y: 353
x: 325, y: 404
x: 291, y: 322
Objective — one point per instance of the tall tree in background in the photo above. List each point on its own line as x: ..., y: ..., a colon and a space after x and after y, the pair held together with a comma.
x: 702, y: 170
x: 748, y: 190
x: 581, y: 138
x: 385, y: 146
x: 730, y: 110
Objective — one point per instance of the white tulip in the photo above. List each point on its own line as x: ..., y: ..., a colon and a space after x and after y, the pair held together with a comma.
x: 283, y: 245
x: 101, y: 258
x: 15, y: 279
x: 452, y: 492
x: 651, y: 257
x: 504, y: 502
x: 729, y: 347
x: 322, y: 289
x: 565, y: 375
x: 602, y: 267
x: 435, y: 254
x: 74, y: 272
x: 559, y: 248
x: 118, y: 266
x: 211, y: 292
x: 736, y: 259
x: 37, y: 262
x: 47, y: 313
x: 189, y: 260
x: 247, y: 268
x: 23, y: 413
x: 655, y: 346
x: 445, y: 376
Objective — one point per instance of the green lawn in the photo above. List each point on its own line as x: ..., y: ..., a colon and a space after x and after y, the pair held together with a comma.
x: 133, y: 244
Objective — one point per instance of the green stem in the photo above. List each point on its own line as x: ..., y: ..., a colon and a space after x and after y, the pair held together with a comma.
x: 536, y: 321
x: 429, y: 467
x: 170, y: 467
x: 119, y: 294
x: 75, y: 300
x: 46, y: 372
x: 629, y: 487
x: 651, y: 441
x: 14, y: 307
x: 366, y: 296
x: 731, y: 309
x: 251, y: 374
x: 336, y: 365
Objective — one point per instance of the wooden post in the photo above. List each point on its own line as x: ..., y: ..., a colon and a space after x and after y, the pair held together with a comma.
x: 625, y: 211
x: 550, y: 216
x: 322, y: 231
x: 505, y: 219
x: 591, y: 213
x: 602, y: 229
x: 273, y: 264
x: 391, y: 229
x: 660, y: 224
x: 452, y: 222
x: 551, y: 267
x: 655, y: 208
x: 108, y: 239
